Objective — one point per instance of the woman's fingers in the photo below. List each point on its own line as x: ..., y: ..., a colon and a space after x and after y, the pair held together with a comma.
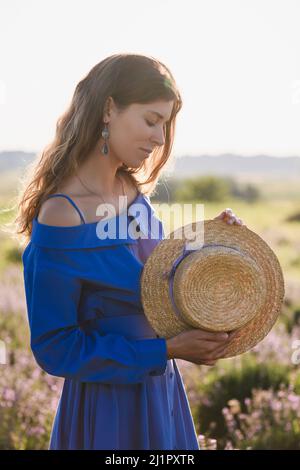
x: 229, y: 217
x: 213, y: 345
x: 204, y: 335
x: 214, y: 355
x: 221, y: 349
x: 218, y: 350
x: 235, y: 220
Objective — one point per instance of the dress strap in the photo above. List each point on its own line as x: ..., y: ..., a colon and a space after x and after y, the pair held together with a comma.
x: 71, y: 201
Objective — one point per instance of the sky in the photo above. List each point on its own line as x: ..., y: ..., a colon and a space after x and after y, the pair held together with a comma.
x: 235, y: 62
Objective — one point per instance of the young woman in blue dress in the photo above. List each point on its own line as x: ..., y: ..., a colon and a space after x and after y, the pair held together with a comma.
x: 112, y: 141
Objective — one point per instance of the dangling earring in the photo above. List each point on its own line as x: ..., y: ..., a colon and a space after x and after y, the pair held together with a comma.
x: 105, y: 135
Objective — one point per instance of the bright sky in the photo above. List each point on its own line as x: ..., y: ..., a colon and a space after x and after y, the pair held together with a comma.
x: 236, y: 63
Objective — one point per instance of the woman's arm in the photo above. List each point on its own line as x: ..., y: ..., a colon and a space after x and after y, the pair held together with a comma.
x: 60, y: 347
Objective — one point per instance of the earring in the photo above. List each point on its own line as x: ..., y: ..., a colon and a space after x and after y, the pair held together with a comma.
x: 105, y: 135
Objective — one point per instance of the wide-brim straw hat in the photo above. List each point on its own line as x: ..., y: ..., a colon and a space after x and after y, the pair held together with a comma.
x: 231, y: 281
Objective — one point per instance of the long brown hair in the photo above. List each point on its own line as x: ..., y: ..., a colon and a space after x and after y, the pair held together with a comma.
x: 127, y: 78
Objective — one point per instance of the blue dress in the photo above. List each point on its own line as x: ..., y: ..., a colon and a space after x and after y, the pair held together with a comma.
x: 86, y: 320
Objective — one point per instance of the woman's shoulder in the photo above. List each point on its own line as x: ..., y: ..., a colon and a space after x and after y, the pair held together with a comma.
x: 57, y: 211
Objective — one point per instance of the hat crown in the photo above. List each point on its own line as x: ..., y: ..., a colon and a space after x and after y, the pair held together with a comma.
x: 228, y: 277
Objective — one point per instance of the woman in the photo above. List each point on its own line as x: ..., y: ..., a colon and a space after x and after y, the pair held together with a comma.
x: 122, y: 388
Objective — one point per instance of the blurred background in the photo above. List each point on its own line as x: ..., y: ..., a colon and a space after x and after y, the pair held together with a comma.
x: 237, y: 145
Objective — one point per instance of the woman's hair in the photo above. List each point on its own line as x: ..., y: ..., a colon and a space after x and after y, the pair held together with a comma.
x: 127, y: 78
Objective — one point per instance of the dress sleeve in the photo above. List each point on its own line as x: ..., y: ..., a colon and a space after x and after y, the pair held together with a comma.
x: 61, y: 347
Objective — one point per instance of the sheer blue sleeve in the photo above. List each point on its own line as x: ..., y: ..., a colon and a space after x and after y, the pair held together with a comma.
x: 61, y: 347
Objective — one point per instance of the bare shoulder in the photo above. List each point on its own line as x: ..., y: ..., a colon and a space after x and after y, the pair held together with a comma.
x: 58, y: 211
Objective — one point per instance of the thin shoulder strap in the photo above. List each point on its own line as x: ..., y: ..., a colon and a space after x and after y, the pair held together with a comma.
x: 71, y: 201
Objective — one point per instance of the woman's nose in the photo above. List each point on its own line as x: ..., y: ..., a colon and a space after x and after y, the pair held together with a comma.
x: 159, y: 137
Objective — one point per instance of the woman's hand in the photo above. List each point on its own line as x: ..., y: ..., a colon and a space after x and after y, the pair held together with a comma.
x: 229, y: 217
x: 199, y: 346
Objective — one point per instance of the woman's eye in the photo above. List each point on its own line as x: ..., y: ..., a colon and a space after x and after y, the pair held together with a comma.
x: 150, y: 124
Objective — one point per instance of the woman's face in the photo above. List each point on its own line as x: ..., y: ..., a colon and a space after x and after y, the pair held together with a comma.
x: 137, y: 127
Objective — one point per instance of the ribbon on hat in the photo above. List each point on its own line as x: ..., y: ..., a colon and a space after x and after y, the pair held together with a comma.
x: 170, y: 275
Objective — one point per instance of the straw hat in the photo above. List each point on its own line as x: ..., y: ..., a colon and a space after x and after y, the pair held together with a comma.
x: 231, y: 281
